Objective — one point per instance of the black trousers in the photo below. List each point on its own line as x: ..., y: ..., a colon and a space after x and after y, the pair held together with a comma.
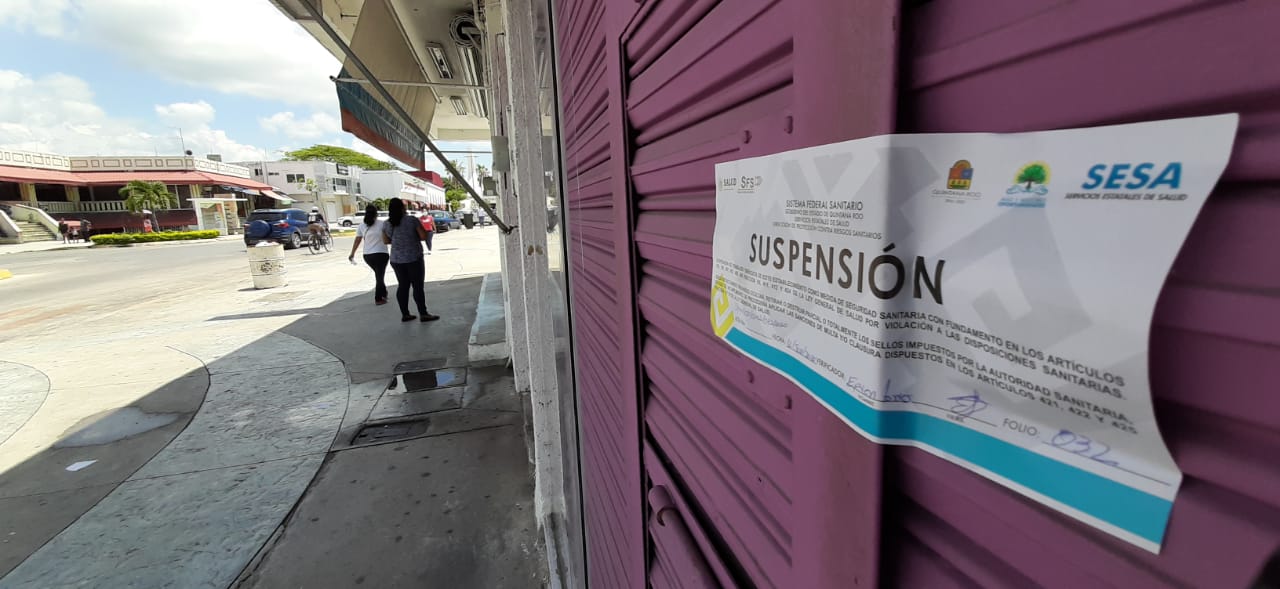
x: 411, y: 275
x: 379, y: 264
x: 430, y: 234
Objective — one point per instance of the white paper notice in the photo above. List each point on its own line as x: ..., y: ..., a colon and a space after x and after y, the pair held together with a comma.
x: 987, y: 298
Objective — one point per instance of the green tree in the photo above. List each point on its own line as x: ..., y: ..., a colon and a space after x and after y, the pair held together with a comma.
x: 455, y: 197
x: 140, y: 195
x: 339, y: 155
x: 311, y: 187
x: 1033, y: 173
x: 451, y: 182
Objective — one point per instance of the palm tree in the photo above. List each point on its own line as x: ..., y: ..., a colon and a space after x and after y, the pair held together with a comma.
x: 140, y: 195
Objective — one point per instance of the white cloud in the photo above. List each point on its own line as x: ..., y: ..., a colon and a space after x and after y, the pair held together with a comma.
x: 244, y: 47
x: 57, y: 113
x: 186, y: 114
x: 288, y: 124
x: 43, y: 16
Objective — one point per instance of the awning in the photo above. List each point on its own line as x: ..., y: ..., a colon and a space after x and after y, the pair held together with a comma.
x: 38, y: 176
x: 282, y: 199
x: 381, y: 42
x: 164, y: 177
x: 232, y: 181
x: 168, y: 177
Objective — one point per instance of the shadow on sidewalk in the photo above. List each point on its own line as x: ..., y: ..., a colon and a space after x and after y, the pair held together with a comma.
x: 276, y: 463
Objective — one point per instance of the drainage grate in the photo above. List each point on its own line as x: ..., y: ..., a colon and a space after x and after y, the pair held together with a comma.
x: 386, y: 432
x: 425, y: 364
x: 426, y: 380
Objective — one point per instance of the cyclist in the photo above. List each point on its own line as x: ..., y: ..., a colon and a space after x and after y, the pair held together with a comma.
x: 316, y: 223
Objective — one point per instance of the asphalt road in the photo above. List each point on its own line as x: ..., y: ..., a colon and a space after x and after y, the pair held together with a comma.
x: 56, y: 290
x: 54, y: 286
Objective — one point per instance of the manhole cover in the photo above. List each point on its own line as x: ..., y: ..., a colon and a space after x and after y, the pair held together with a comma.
x: 370, y: 434
x: 425, y: 380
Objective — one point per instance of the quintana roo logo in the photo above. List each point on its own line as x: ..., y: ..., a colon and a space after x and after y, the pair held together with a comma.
x: 721, y: 315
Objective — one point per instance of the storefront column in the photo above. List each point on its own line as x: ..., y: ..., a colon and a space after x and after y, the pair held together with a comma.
x: 73, y: 193
x: 28, y: 192
x: 524, y: 132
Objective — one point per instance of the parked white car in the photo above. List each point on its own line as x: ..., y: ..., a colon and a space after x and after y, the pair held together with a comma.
x: 351, y: 220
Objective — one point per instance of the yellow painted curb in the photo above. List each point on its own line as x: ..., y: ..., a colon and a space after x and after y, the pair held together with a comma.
x: 5, y: 274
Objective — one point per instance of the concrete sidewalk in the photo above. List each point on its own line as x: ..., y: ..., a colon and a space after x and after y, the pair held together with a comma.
x: 252, y: 438
x: 428, y: 483
x: 40, y: 246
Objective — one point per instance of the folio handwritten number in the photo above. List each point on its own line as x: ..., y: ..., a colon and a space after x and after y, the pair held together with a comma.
x: 1083, y: 446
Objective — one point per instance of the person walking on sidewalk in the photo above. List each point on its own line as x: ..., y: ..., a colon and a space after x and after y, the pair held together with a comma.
x: 375, y: 251
x: 405, y: 236
x: 429, y: 225
x: 64, y: 229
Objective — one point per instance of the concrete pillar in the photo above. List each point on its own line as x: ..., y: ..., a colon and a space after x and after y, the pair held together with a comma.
x: 28, y: 191
x: 73, y: 193
x: 512, y: 268
x: 525, y: 141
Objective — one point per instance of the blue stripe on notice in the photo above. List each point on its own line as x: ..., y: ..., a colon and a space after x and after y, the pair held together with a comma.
x: 1137, y: 512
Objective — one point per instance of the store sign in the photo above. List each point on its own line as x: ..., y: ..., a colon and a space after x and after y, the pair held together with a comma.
x: 987, y: 298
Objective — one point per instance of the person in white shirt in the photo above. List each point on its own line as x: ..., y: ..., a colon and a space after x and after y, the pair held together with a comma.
x: 376, y: 254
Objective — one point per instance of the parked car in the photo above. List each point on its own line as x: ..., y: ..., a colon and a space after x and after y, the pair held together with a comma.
x: 445, y: 221
x: 287, y: 226
x: 352, y: 220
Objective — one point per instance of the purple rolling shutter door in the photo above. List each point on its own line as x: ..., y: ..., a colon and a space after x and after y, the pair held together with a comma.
x: 1215, y: 364
x: 765, y: 487
x: 602, y: 301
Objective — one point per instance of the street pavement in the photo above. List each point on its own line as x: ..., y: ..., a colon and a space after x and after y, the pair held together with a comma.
x: 160, y: 419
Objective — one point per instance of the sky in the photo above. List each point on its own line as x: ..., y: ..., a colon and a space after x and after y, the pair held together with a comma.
x: 135, y: 77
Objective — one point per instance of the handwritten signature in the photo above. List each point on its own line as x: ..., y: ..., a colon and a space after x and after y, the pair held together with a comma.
x: 1083, y: 446
x: 888, y: 397
x: 967, y: 405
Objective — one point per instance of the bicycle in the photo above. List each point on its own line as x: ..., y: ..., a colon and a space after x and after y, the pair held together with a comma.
x: 320, y: 239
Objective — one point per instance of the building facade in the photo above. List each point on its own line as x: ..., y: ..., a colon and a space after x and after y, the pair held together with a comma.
x: 397, y: 184
x: 42, y: 187
x: 334, y: 188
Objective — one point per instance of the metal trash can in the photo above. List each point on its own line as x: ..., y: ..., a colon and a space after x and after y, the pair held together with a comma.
x: 469, y: 219
x: 266, y: 265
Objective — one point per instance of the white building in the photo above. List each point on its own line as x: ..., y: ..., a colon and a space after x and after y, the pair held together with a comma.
x: 335, y: 188
x: 397, y: 184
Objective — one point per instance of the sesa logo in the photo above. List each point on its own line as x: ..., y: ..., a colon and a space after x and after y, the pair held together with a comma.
x: 1144, y: 176
x: 1030, y: 185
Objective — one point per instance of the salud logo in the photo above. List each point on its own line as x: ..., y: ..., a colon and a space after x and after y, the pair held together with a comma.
x: 1030, y: 185
x: 961, y: 176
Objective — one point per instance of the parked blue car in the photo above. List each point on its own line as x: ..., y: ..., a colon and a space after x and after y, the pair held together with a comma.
x: 287, y: 226
x: 445, y: 221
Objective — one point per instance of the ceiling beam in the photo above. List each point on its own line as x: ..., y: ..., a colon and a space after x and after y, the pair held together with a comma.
x: 416, y: 84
